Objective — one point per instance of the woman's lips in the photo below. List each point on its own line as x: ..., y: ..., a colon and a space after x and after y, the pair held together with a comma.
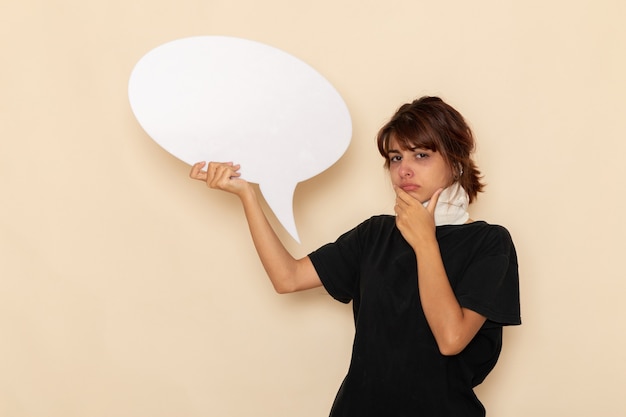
x: 409, y: 187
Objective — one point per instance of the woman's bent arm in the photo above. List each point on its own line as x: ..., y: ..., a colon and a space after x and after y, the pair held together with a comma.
x: 452, y: 325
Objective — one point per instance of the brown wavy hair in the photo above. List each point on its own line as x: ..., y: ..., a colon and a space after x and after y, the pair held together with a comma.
x: 432, y: 124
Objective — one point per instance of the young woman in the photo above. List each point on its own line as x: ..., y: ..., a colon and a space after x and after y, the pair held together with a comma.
x: 431, y: 289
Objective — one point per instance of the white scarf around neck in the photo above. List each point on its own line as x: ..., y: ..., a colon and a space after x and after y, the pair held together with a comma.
x: 451, y: 206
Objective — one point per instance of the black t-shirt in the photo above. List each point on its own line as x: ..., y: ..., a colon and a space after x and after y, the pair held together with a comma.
x: 396, y: 367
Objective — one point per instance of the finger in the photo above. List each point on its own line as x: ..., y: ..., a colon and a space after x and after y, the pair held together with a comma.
x: 235, y: 172
x: 222, y: 174
x: 402, y: 195
x: 216, y: 175
x: 213, y: 171
x: 432, y: 204
x: 400, y: 204
x: 196, y: 172
x: 212, y: 168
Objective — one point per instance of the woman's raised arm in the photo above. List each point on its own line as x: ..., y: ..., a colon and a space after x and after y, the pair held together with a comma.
x: 286, y: 273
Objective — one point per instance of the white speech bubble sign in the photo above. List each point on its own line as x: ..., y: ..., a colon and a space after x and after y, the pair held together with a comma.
x: 221, y: 98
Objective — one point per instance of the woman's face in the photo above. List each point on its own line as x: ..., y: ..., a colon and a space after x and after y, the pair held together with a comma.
x: 419, y: 172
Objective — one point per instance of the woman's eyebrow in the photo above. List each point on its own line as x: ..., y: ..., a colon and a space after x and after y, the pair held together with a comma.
x: 412, y: 149
x: 421, y: 149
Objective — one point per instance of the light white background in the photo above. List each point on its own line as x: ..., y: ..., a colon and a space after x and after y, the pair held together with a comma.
x: 127, y: 289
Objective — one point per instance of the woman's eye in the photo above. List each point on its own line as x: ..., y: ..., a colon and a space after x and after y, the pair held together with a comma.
x: 395, y: 158
x: 421, y: 155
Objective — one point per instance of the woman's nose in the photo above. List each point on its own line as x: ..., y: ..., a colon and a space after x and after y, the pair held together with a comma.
x: 405, y: 171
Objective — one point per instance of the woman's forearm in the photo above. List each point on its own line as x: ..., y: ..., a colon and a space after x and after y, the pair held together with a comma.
x: 453, y: 326
x: 286, y: 273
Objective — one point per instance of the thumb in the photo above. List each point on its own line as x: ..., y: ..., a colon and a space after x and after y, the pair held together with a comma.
x: 432, y: 203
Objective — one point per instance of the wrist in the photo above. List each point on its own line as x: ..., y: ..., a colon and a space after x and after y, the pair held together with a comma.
x: 247, y: 195
x: 426, y: 247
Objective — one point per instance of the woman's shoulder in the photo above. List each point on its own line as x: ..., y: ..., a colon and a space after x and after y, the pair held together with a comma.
x: 479, y: 234
x: 378, y: 222
x: 372, y: 228
x: 496, y: 231
x: 479, y: 226
x: 382, y: 219
x: 488, y: 227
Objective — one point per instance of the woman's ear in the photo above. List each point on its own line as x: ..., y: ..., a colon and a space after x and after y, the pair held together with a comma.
x: 458, y: 172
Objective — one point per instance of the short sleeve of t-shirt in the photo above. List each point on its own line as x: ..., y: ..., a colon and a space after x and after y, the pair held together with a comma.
x: 343, y: 256
x: 490, y: 285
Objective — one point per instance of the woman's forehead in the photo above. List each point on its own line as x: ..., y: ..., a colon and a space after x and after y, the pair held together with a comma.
x: 398, y: 141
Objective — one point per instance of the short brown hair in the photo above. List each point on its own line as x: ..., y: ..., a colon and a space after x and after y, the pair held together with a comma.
x: 432, y: 124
